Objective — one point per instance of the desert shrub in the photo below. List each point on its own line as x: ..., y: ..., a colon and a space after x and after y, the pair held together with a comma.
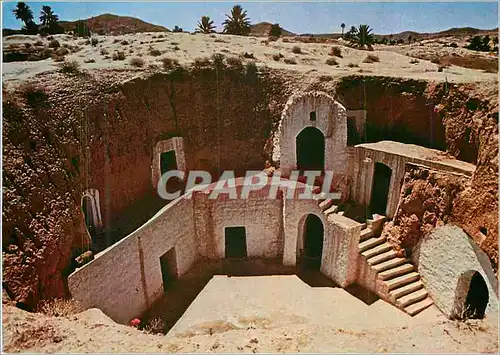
x: 218, y: 60
x: 62, y: 51
x: 441, y: 68
x: 251, y: 70
x: 160, y: 36
x: 58, y: 58
x: 285, y: 39
x: 118, y: 55
x: 176, y: 48
x: 265, y: 42
x: 72, y: 67
x: 201, y: 63
x: 272, y: 39
x: 336, y: 51
x: 169, y: 63
x: 34, y: 94
x: 248, y: 55
x: 116, y: 40
x: 234, y: 63
x: 370, y: 58
x: 435, y: 60
x: 124, y: 42
x: 94, y: 42
x: 27, y: 45
x: 453, y: 45
x: 414, y: 61
x: 154, y: 52
x: 137, y: 62
x: 290, y: 61
x: 54, y: 43
x: 103, y: 51
x: 276, y: 57
x: 90, y: 60
x: 155, y: 326
x: 38, y: 43
x: 296, y: 50
x: 50, y: 38
x: 323, y: 78
x: 352, y: 65
x: 275, y: 30
x: 59, y: 307
x: 332, y: 61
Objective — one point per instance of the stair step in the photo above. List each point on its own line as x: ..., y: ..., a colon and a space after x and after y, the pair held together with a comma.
x: 330, y: 210
x: 325, y: 204
x: 419, y: 306
x: 402, y: 280
x: 389, y: 264
x: 396, y: 271
x: 401, y: 291
x: 412, y: 298
x: 365, y: 234
x: 370, y: 243
x: 379, y: 249
x: 391, y: 254
x: 320, y: 197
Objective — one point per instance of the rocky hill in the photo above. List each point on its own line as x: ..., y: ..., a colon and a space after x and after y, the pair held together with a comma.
x: 116, y: 25
x: 261, y: 29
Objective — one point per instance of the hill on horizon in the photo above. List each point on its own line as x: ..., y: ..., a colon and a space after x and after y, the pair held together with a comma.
x: 114, y: 24
x: 261, y: 29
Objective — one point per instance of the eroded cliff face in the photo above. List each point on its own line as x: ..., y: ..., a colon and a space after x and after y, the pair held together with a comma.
x: 89, y: 132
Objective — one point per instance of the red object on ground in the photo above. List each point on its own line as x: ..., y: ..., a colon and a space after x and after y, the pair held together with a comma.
x: 135, y: 322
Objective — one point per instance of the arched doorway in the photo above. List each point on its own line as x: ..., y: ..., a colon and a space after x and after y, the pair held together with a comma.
x: 310, y: 149
x: 313, y: 242
x: 477, y: 297
x: 380, y: 188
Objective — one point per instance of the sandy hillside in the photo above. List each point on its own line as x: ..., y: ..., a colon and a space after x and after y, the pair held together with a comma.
x: 185, y: 47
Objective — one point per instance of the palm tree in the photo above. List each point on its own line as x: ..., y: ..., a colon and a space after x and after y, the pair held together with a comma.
x: 363, y: 37
x: 24, y: 13
x: 205, y: 25
x: 237, y: 23
x: 342, y: 26
x: 47, y: 17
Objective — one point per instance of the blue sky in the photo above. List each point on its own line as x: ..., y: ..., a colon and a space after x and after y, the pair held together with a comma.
x: 298, y: 17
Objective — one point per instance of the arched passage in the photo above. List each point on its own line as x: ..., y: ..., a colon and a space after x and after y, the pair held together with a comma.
x: 477, y: 297
x: 313, y: 242
x: 310, y: 149
x: 380, y: 188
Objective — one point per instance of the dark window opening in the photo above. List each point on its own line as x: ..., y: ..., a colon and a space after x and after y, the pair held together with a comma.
x: 236, y: 242
x: 483, y: 230
x: 313, y: 243
x: 168, y: 264
x: 477, y: 297
x: 310, y: 149
x: 168, y: 161
x: 87, y: 209
x: 312, y: 116
x: 353, y: 136
x: 380, y: 188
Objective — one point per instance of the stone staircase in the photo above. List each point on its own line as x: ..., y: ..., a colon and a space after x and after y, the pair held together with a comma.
x: 392, y: 278
x: 396, y: 279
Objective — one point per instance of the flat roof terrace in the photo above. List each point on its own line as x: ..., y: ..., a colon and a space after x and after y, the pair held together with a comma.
x: 421, y: 155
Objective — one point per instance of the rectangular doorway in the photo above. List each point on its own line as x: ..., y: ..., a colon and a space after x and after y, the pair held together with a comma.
x: 236, y: 242
x: 168, y: 161
x: 168, y: 264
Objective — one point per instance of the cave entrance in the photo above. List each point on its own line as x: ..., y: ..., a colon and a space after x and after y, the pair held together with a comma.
x: 380, y: 188
x: 477, y: 297
x: 313, y: 243
x: 310, y: 149
x: 168, y: 264
x: 236, y: 242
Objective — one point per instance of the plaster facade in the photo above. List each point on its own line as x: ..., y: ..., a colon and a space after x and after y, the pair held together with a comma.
x: 447, y: 272
x: 175, y: 144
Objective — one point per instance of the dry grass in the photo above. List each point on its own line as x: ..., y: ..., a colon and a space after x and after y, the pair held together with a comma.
x: 154, y: 52
x: 370, y: 58
x: 54, y: 43
x: 290, y: 61
x: 155, y: 326
x: 352, y: 65
x: 169, y: 63
x: 59, y: 307
x: 72, y: 67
